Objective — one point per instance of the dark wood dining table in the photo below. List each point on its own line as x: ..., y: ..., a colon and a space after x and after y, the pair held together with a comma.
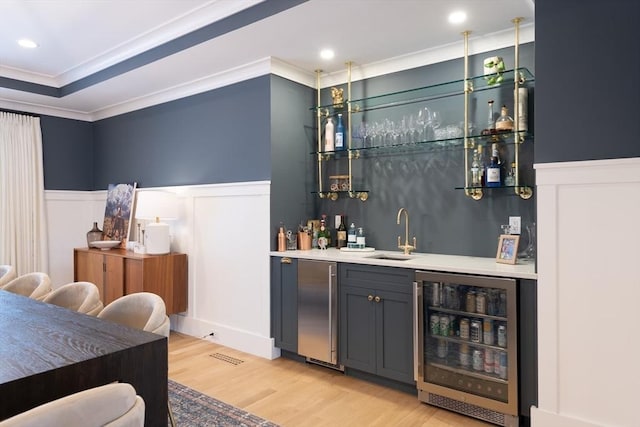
x: 47, y: 352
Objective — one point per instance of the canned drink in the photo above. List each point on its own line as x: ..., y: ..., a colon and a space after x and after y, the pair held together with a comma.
x: 477, y: 360
x: 465, y: 358
x: 445, y: 325
x: 493, y: 296
x: 452, y: 298
x: 471, y: 302
x: 502, y: 303
x: 496, y: 362
x: 487, y: 329
x: 435, y: 294
x: 453, y: 325
x: 502, y: 335
x: 503, y: 365
x: 434, y: 324
x: 464, y: 329
x: 488, y: 361
x: 443, y: 348
x: 481, y: 303
x: 475, y: 331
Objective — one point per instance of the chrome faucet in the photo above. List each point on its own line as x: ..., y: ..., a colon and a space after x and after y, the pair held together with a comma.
x: 406, y: 247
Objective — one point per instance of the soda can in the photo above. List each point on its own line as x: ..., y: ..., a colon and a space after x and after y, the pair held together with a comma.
x: 443, y: 348
x: 453, y: 325
x: 481, y: 302
x: 465, y: 357
x: 434, y: 324
x: 435, y: 294
x: 503, y: 365
x: 493, y: 296
x: 445, y: 325
x: 502, y: 335
x: 471, y: 302
x: 496, y: 362
x: 487, y: 329
x: 453, y: 300
x: 488, y: 361
x: 475, y: 331
x: 477, y: 360
x: 464, y: 329
x: 502, y: 303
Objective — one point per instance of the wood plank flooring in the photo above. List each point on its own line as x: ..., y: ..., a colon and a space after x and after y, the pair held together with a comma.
x: 291, y: 393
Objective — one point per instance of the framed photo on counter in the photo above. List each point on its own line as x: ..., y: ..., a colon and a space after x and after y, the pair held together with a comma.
x: 507, y: 248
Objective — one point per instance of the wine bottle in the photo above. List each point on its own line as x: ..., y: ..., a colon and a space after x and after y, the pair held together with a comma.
x: 341, y: 233
x: 323, y: 241
x: 339, y: 134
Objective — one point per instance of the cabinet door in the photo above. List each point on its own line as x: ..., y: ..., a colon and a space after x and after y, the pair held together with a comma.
x: 89, y: 267
x: 357, y: 328
x: 284, y: 302
x: 113, y: 278
x: 394, y: 338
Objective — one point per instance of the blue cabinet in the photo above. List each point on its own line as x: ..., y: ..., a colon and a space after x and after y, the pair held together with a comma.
x: 284, y: 303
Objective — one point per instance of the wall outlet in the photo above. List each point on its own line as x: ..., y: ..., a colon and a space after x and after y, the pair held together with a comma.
x: 515, y: 224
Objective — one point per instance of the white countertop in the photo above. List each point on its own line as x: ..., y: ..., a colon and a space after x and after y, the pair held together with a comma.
x: 422, y: 261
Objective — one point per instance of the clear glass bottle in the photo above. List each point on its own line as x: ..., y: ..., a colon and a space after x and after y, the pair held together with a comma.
x: 352, y: 237
x: 475, y: 171
x: 360, y: 239
x: 510, y: 179
x: 490, y: 121
x: 339, y: 134
x: 94, y: 234
x: 505, y: 121
x: 329, y: 135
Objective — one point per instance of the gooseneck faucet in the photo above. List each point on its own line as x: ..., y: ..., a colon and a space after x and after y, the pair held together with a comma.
x: 406, y: 247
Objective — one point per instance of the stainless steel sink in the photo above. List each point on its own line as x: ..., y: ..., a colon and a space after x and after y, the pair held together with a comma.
x: 391, y: 257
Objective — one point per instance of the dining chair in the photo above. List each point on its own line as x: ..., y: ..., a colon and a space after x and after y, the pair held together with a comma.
x: 141, y: 310
x: 33, y: 285
x: 111, y: 405
x: 83, y: 297
x: 7, y: 274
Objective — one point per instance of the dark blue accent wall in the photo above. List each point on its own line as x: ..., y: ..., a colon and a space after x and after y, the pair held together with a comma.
x: 67, y: 150
x: 587, y: 91
x: 218, y: 136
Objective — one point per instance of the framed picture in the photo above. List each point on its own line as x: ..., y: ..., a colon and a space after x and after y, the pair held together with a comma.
x: 507, y: 248
x: 117, y: 213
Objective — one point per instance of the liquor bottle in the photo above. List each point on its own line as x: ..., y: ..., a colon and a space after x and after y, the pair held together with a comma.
x: 493, y: 173
x: 505, y: 121
x: 475, y: 170
x: 327, y: 230
x: 510, y: 179
x: 360, y: 239
x: 490, y: 121
x: 339, y: 134
x: 341, y: 233
x: 352, y: 237
x: 323, y: 242
x: 482, y: 160
x: 329, y: 135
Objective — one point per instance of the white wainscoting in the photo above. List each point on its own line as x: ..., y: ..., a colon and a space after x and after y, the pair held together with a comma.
x: 588, y: 293
x: 224, y: 230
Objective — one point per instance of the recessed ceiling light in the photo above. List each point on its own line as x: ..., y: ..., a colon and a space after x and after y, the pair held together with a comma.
x: 457, y: 17
x: 26, y: 43
x: 327, y: 54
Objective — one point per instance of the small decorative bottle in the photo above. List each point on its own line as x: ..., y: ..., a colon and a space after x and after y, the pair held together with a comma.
x: 360, y: 239
x: 475, y: 171
x: 94, y: 234
x: 510, y: 179
x: 505, y: 121
x: 340, y: 134
x: 490, y: 121
x: 328, y: 135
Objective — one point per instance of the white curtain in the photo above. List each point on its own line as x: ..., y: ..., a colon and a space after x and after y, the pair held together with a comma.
x: 23, y: 231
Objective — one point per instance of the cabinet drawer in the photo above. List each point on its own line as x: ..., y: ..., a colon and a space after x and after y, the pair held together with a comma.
x: 388, y: 278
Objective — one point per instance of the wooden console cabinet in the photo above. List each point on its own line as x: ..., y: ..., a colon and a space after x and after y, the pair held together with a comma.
x: 118, y: 272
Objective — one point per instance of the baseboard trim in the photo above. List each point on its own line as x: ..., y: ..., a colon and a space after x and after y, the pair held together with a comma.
x: 540, y: 418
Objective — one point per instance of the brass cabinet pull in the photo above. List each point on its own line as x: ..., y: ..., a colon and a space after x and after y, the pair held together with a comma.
x: 285, y: 260
x: 378, y: 299
x: 370, y: 297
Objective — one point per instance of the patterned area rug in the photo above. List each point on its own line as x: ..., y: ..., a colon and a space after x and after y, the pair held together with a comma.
x: 194, y: 409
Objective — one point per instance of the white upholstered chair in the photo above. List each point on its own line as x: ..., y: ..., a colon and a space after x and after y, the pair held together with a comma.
x: 111, y: 405
x: 32, y: 285
x: 7, y: 274
x: 83, y: 297
x: 141, y: 310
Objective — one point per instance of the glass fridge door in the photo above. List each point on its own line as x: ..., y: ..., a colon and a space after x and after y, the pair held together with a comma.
x: 469, y: 340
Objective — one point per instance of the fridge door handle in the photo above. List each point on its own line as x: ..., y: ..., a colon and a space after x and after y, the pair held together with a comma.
x: 333, y: 333
x: 417, y: 307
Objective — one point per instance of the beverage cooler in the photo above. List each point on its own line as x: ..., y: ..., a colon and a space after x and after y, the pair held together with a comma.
x: 465, y: 345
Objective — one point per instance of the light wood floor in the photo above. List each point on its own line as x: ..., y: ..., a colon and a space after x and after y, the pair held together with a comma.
x: 291, y: 393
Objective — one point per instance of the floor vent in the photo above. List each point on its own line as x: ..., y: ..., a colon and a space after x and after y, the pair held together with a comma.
x: 472, y: 410
x: 226, y: 358
x: 325, y: 364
